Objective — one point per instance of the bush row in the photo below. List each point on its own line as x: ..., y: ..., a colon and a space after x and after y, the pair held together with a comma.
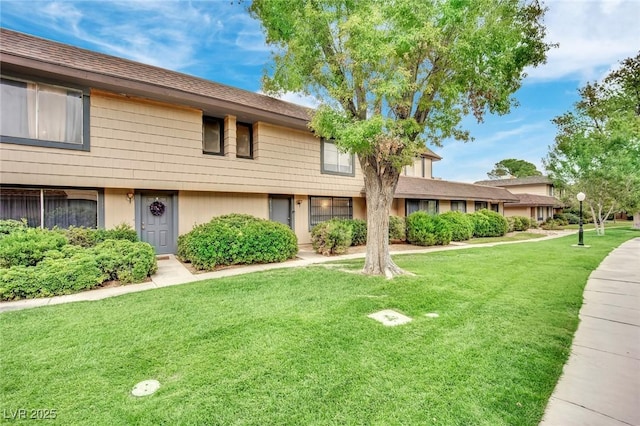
x: 40, y: 262
x: 519, y: 223
x: 237, y: 239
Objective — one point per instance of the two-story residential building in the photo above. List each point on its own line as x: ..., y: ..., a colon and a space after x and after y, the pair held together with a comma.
x: 89, y: 139
x: 536, y: 196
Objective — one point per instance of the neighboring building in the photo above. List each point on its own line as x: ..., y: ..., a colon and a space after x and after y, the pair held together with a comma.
x: 89, y: 139
x: 536, y: 196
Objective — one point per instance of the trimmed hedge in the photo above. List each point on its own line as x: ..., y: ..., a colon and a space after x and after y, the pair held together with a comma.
x: 331, y: 237
x: 237, y: 239
x: 487, y: 223
x: 125, y: 261
x: 27, y: 247
x: 426, y: 230
x: 460, y: 224
x: 397, y: 228
x: 89, y: 237
x: 40, y: 262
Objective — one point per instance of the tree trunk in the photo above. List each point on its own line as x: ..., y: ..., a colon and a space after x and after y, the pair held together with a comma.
x: 636, y: 220
x: 380, y: 188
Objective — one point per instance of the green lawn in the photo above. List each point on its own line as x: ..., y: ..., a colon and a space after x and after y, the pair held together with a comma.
x: 294, y: 346
x: 518, y: 236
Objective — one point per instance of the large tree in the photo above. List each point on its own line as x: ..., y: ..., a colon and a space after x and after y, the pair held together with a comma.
x: 396, y: 74
x: 511, y: 167
x: 597, y: 147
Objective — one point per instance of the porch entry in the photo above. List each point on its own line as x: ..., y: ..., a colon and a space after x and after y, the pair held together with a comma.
x: 280, y: 209
x: 155, y: 222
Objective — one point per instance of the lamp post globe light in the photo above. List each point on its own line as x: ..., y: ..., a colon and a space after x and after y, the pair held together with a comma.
x: 580, y: 198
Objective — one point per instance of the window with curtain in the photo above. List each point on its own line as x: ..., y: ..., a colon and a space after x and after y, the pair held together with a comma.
x: 40, y: 112
x: 336, y: 162
x: 325, y: 208
x: 212, y: 136
x: 244, y: 141
x: 459, y: 206
x: 62, y: 208
x: 428, y: 206
x: 479, y: 205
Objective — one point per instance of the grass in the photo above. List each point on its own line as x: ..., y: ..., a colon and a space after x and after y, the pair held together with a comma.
x: 518, y: 236
x: 294, y: 346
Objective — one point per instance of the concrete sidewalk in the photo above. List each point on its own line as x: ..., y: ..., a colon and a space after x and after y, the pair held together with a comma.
x: 600, y: 384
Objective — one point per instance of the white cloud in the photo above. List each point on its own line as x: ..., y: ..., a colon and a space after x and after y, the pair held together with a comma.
x: 593, y: 35
x: 298, y: 99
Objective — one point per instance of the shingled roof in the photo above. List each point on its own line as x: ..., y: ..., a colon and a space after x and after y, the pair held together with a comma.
x: 530, y: 180
x: 45, y: 58
x: 533, y: 200
x: 410, y: 187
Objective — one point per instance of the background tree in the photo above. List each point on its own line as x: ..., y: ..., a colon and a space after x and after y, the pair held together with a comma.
x: 597, y: 148
x: 511, y: 167
x: 393, y: 75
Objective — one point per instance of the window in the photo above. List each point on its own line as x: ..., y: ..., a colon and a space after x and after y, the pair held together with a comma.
x: 325, y: 208
x: 417, y: 169
x: 244, y: 141
x: 43, y: 115
x: 495, y: 207
x: 429, y: 206
x: 459, y: 206
x: 479, y: 205
x: 212, y: 136
x: 47, y: 208
x: 334, y: 161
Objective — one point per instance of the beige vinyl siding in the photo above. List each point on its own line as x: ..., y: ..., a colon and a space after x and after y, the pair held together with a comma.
x: 195, y: 207
x: 117, y: 208
x: 144, y: 144
x: 517, y: 211
x: 537, y: 189
x: 428, y: 168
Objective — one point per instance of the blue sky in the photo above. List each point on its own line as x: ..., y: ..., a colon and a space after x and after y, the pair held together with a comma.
x: 217, y: 40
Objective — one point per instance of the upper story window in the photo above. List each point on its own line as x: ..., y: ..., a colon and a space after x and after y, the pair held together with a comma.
x: 417, y: 169
x: 212, y: 136
x: 459, y: 206
x: 34, y: 113
x: 244, y: 140
x: 334, y: 161
x: 551, y: 194
x: 428, y: 206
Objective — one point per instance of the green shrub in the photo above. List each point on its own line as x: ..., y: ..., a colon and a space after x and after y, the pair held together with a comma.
x: 397, y: 228
x: 550, y: 224
x: 28, y: 247
x: 561, y: 219
x: 124, y: 260
x: 331, y: 237
x: 426, y: 230
x: 51, y: 277
x: 237, y: 239
x: 487, y: 223
x: 8, y: 226
x: 572, y: 219
x: 520, y: 223
x: 510, y: 224
x: 460, y: 224
x: 358, y: 231
x: 119, y: 232
x: 89, y: 237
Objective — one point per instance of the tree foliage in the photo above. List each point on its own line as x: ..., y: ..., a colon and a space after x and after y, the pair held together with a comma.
x: 597, y: 147
x: 394, y: 75
x: 512, y: 167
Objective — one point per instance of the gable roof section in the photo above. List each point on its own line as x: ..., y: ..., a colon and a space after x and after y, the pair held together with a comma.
x: 533, y: 200
x: 45, y: 58
x: 410, y: 187
x: 530, y: 180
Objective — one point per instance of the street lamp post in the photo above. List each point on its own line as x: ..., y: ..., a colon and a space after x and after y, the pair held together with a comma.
x: 580, y: 198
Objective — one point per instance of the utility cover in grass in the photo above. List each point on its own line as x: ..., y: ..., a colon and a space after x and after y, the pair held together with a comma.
x: 145, y: 388
x: 390, y: 317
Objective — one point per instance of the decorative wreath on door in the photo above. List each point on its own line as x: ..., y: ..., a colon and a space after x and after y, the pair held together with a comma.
x: 157, y: 208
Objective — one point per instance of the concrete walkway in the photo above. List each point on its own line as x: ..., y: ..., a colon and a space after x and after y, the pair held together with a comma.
x: 600, y: 384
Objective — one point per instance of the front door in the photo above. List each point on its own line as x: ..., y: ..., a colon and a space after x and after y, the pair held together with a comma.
x: 280, y: 209
x: 156, y: 222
